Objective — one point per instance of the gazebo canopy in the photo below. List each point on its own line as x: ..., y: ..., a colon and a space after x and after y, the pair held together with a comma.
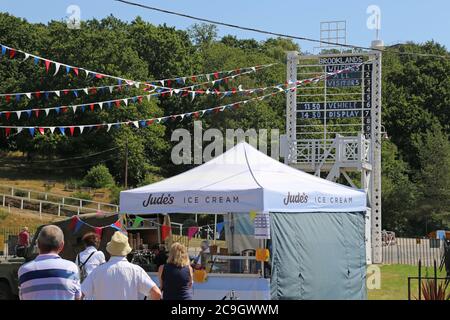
x: 241, y: 180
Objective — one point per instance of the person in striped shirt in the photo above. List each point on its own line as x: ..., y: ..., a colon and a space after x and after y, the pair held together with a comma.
x: 49, y: 277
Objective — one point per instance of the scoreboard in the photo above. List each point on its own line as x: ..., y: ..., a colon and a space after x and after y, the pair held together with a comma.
x: 338, y: 104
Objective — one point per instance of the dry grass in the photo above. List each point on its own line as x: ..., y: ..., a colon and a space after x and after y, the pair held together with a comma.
x: 18, y: 218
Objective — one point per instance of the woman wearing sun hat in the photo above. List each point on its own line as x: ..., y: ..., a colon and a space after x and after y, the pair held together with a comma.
x: 119, y: 279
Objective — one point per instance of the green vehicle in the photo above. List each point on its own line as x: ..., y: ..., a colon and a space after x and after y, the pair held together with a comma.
x: 72, y: 246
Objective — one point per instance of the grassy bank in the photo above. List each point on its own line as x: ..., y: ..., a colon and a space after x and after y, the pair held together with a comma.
x: 394, y: 282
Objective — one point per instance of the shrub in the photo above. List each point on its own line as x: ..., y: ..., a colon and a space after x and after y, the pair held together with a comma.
x: 73, y: 184
x: 115, y: 194
x: 3, y: 215
x: 98, y: 177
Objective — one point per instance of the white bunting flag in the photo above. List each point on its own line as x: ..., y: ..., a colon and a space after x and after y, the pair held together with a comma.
x: 47, y: 110
x: 52, y: 129
x: 137, y: 84
x: 27, y: 55
x: 109, y: 127
x: 177, y: 91
x: 19, y: 113
x: 86, y: 90
x: 136, y: 124
x: 111, y: 89
x: 148, y: 97
x: 74, y: 108
x: 57, y: 65
x: 100, y: 104
x: 125, y: 101
x: 57, y: 93
x: 19, y: 130
x: 28, y: 95
x: 253, y: 69
x: 162, y: 82
x: 207, y: 76
x: 193, y: 95
x: 81, y: 129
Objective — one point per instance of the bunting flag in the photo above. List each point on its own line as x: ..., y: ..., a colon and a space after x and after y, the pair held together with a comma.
x: 97, y: 75
x: 78, y: 226
x: 191, y: 232
x: 252, y: 215
x: 142, y: 123
x: 117, y: 225
x: 73, y: 222
x: 219, y: 227
x: 137, y: 222
x: 99, y: 231
x: 47, y: 94
x: 165, y: 232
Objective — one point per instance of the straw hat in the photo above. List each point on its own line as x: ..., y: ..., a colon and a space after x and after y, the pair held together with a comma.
x: 118, y: 246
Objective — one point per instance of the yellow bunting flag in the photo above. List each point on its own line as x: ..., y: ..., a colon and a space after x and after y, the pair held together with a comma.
x: 252, y: 215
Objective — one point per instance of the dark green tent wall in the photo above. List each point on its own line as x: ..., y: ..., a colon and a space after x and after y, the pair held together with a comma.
x: 318, y: 256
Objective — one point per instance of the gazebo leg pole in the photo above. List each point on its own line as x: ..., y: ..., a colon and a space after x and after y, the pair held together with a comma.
x: 215, y: 227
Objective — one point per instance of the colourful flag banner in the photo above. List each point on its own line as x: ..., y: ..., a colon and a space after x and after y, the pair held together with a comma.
x: 98, y: 231
x: 137, y: 222
x: 191, y: 232
x: 78, y: 226
x: 165, y: 232
x: 73, y: 222
x: 219, y: 227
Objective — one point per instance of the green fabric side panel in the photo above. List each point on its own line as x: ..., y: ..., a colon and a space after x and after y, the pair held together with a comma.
x: 318, y: 256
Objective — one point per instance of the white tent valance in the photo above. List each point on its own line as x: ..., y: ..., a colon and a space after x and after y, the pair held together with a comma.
x: 241, y: 180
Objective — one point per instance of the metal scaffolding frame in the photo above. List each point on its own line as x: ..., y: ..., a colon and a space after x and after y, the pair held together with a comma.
x: 335, y: 129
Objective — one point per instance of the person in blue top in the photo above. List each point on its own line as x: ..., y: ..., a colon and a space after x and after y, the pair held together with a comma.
x: 176, y: 276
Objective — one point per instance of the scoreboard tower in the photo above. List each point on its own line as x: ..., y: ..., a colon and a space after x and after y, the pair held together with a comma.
x: 333, y: 126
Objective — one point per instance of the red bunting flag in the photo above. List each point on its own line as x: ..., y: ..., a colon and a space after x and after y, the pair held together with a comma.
x: 8, y: 98
x: 117, y: 103
x: 194, y: 78
x: 140, y: 99
x: 196, y: 114
x: 7, y: 115
x: 216, y: 75
x: 65, y: 92
x: 41, y: 130
x: 168, y: 83
x: 37, y: 94
x: 73, y: 222
x: 98, y: 76
x: 75, y: 70
x: 165, y: 231
x: 98, y: 231
x: 7, y: 131
x: 72, y: 129
x: 149, y: 122
x: 216, y: 110
x: 93, y: 91
x: 12, y: 53
x: 36, y: 112
x: 47, y: 65
x: 191, y: 232
x: 118, y: 224
x: 236, y: 106
x: 91, y: 106
x: 64, y: 109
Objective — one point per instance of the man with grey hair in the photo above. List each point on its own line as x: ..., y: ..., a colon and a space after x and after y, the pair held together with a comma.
x: 49, y: 277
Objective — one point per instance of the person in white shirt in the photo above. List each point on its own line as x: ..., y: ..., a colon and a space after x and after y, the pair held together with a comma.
x: 90, y: 258
x: 119, y: 279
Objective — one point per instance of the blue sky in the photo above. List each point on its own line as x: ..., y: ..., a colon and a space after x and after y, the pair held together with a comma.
x: 401, y: 20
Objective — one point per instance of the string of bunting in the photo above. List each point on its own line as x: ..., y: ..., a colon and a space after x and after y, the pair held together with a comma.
x: 161, y: 91
x: 76, y: 223
x: 47, y: 94
x: 176, y: 117
x: 12, y: 53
